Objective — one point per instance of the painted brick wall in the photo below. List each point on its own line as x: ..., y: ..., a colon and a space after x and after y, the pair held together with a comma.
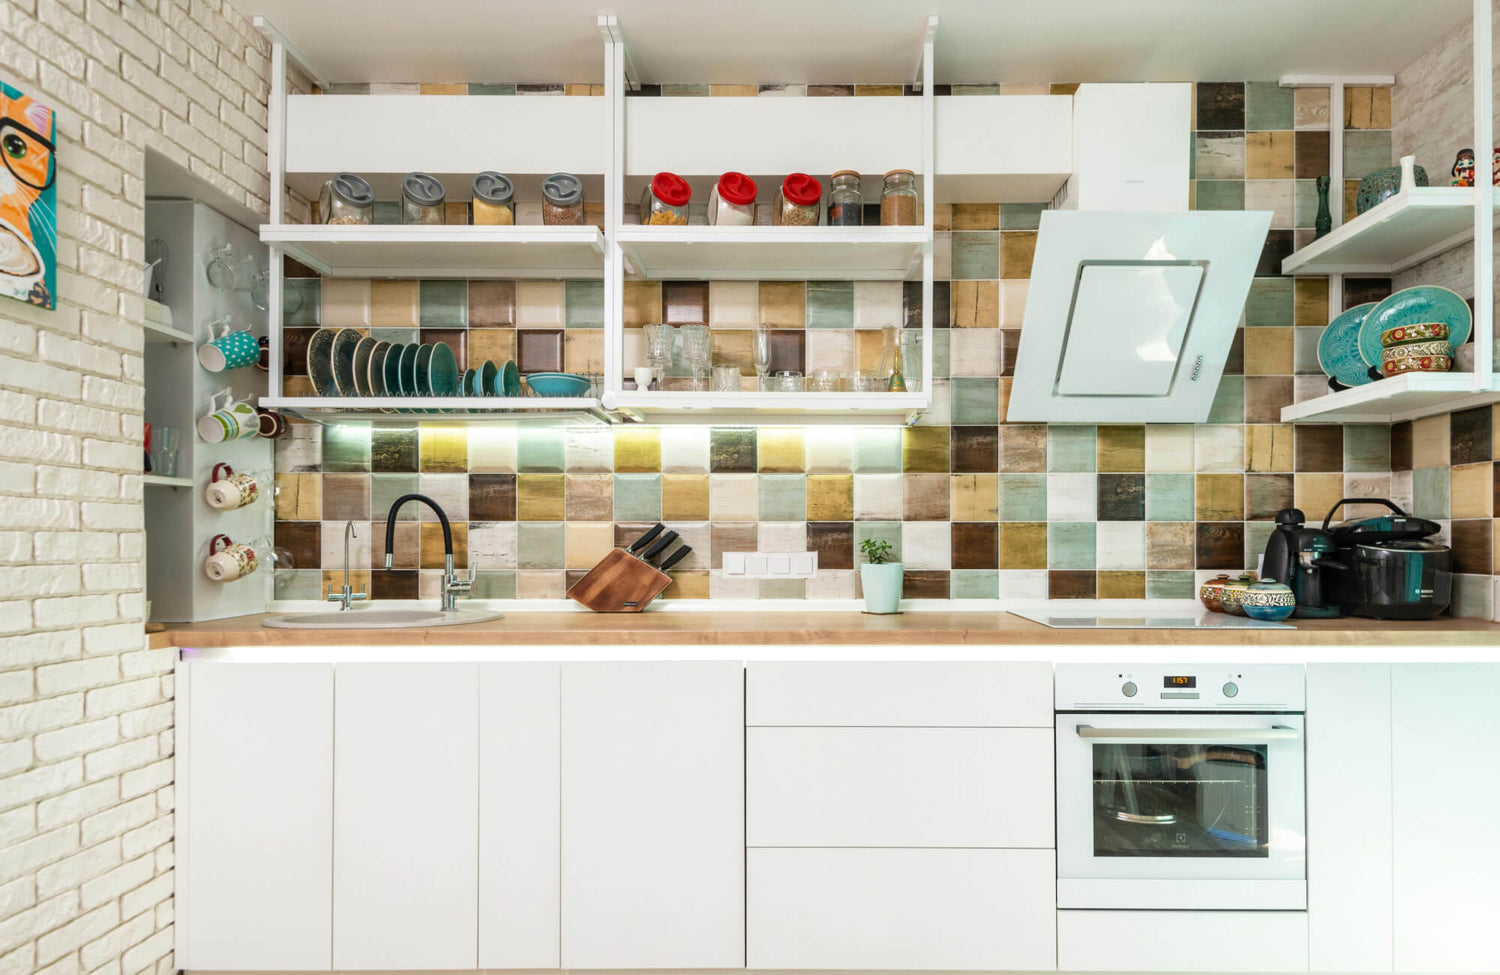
x: 86, y: 732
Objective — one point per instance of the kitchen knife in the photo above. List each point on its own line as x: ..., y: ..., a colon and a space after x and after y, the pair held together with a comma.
x: 645, y: 539
x: 659, y: 547
x: 675, y: 557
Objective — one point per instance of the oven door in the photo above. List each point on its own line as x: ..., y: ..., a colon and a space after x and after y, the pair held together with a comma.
x: 1181, y: 811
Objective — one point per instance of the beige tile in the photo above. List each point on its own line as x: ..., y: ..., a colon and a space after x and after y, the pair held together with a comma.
x: 976, y: 216
x: 734, y: 497
x: 877, y: 304
x: 1268, y: 447
x: 1310, y: 108
x: 1268, y: 155
x: 733, y: 304
x: 975, y: 304
x: 1219, y: 447
x: 1367, y: 108
x: 393, y: 304
x: 492, y: 449
x: 783, y: 304
x: 733, y: 91
x: 1316, y: 494
x: 346, y: 303
x: 1429, y: 442
x: 583, y: 351
x: 1268, y: 352
x: 587, y: 542
x: 1276, y: 195
x: 444, y: 88
x: 539, y: 304
x: 1471, y: 490
x: 1013, y: 303
x: 829, y: 348
x: 974, y: 497
x: 976, y: 352
x: 642, y: 303
x: 1169, y: 447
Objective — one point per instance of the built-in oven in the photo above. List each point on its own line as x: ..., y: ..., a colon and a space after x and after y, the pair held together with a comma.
x: 1181, y: 787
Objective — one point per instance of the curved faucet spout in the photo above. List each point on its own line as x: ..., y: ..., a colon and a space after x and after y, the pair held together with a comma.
x: 390, y: 529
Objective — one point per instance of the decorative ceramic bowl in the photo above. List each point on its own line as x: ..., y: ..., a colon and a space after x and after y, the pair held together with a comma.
x: 1437, y: 363
x: 557, y: 384
x: 1415, y: 350
x: 1211, y: 591
x: 1415, y: 332
x: 1268, y: 600
x: 1232, y: 595
x: 1381, y: 185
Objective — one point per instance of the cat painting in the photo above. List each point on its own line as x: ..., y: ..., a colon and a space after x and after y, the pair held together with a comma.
x: 28, y: 199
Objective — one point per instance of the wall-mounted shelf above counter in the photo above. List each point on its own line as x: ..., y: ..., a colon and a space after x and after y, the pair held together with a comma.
x: 751, y: 407
x: 376, y: 251
x: 1409, y: 228
x: 1395, y: 399
x: 408, y: 410
x: 767, y: 253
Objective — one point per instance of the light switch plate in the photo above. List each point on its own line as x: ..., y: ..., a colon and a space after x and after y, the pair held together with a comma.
x: 770, y: 565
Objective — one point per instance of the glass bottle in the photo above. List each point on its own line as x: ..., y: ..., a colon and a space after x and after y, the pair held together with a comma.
x: 893, y: 360
x: 898, y: 199
x: 846, y: 206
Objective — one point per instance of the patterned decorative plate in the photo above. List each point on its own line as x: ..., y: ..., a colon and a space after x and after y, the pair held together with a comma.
x: 393, y: 369
x: 420, y: 379
x: 375, y: 378
x: 320, y: 361
x: 345, y: 340
x: 362, y: 365
x: 1338, y: 347
x: 1424, y: 303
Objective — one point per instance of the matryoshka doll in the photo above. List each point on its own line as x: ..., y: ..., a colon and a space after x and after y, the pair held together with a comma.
x: 1463, y: 168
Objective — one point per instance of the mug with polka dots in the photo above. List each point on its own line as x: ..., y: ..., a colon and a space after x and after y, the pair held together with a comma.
x: 234, y: 349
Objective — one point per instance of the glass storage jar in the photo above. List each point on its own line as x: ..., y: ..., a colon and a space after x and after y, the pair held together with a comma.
x: 664, y: 202
x: 494, y: 200
x: 422, y: 199
x: 898, y: 199
x: 846, y: 206
x: 731, y: 203
x: 346, y: 199
x: 798, y: 202
x: 562, y: 200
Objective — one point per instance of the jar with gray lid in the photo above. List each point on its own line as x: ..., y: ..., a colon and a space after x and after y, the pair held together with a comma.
x: 562, y: 200
x: 346, y: 199
x: 494, y: 200
x: 422, y: 199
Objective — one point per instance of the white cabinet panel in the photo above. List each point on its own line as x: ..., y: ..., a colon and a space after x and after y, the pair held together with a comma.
x: 255, y: 781
x: 916, y: 787
x: 1445, y: 796
x: 827, y: 694
x: 519, y: 815
x: 1127, y: 147
x: 1182, y: 941
x: 406, y: 816
x: 653, y: 815
x: 1349, y: 817
x: 901, y: 909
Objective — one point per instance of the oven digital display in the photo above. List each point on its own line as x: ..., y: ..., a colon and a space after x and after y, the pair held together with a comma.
x: 1179, y: 682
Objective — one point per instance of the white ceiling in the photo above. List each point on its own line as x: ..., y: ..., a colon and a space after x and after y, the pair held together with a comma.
x: 834, y: 41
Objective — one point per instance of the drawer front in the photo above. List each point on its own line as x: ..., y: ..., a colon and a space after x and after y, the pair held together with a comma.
x: 989, y: 910
x: 902, y: 787
x: 1182, y: 941
x: 972, y: 695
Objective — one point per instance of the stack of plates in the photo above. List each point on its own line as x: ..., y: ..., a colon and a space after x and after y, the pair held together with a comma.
x: 347, y: 362
x: 1352, y: 349
x: 1418, y: 347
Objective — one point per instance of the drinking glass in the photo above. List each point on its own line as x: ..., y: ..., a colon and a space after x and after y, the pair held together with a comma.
x: 787, y: 381
x: 867, y: 381
x: 826, y: 381
x: 660, y: 340
x: 697, y: 352
x: 726, y: 379
x: 760, y: 351
x: 164, y: 457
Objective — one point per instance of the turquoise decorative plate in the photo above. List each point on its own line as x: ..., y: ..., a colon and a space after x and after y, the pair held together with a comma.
x: 393, y: 369
x: 423, y: 367
x: 409, y: 370
x: 345, y: 340
x: 466, y: 383
x: 1424, y: 303
x: 320, y: 362
x: 442, y: 371
x: 508, y: 380
x: 1338, y: 347
x: 484, y: 382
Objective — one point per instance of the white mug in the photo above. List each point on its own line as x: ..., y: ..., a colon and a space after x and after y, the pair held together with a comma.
x: 231, y: 421
x: 228, y: 560
x: 229, y: 490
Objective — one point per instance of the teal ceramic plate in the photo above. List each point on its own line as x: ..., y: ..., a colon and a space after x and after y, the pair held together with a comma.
x: 345, y: 340
x: 375, y: 375
x: 508, y: 380
x: 1424, y: 303
x: 362, y: 352
x: 1338, y: 347
x: 421, y: 385
x: 484, y: 382
x: 320, y: 362
x: 409, y: 370
x: 466, y: 383
x: 442, y: 371
x: 393, y: 369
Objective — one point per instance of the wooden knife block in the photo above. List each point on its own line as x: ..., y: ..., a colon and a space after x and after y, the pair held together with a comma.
x: 620, y: 583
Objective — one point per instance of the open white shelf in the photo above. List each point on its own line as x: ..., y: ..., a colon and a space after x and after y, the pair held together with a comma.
x: 375, y: 251
x: 156, y: 480
x: 765, y: 253
x: 398, y: 409
x: 158, y: 323
x: 1409, y: 228
x: 1395, y: 399
x: 705, y: 407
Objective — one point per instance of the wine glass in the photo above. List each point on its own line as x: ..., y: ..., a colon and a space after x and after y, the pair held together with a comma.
x: 760, y: 350
x: 697, y: 352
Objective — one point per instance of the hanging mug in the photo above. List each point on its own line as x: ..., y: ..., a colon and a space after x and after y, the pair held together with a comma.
x: 228, y: 490
x: 234, y: 349
x: 228, y: 560
x: 228, y: 271
x: 272, y: 424
x: 231, y: 421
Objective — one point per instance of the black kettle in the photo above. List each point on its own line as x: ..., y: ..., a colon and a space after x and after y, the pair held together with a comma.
x: 1298, y: 556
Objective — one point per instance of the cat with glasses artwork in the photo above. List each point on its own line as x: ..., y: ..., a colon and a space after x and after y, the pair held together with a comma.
x: 28, y: 199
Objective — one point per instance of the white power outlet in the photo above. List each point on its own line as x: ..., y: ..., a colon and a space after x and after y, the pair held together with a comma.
x: 770, y: 565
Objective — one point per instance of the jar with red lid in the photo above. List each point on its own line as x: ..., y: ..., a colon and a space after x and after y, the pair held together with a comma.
x: 665, y: 200
x: 731, y: 203
x: 798, y: 202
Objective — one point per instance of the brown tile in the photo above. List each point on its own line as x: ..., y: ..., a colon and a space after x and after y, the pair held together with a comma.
x: 1266, y: 395
x: 1367, y: 108
x: 1121, y: 449
x: 1320, y: 448
x: 1473, y: 543
x: 834, y: 543
x: 303, y: 540
x: 1471, y: 435
x: 1170, y: 545
x: 1310, y: 301
x: 685, y: 302
x: 1401, y: 446
x: 642, y: 303
x: 1023, y: 545
x: 735, y: 536
x: 926, y: 496
x: 1311, y: 155
x: 830, y: 497
x: 1072, y: 584
x: 1017, y: 249
x: 974, y: 304
x: 1269, y: 155
x: 1268, y: 352
x: 783, y: 304
x: 539, y: 350
x: 1266, y: 494
x: 1221, y: 497
x: 1358, y: 291
x: 789, y: 351
x: 492, y: 497
x: 540, y: 497
x: 924, y: 584
x: 588, y: 497
x: 1496, y: 506
x: 976, y: 545
x: 975, y: 450
x: 829, y: 91
x: 1122, y: 585
x: 294, y: 350
x: 431, y: 544
x: 1023, y: 448
x: 733, y: 347
x: 976, y: 216
x: 684, y: 497
x: 393, y: 584
x: 1221, y: 545
x: 406, y: 543
x: 1010, y: 344
x: 456, y: 339
x: 346, y: 497
x: 924, y: 450
x: 1121, y: 497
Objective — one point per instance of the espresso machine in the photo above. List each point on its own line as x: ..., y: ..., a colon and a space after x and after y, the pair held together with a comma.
x: 1306, y: 560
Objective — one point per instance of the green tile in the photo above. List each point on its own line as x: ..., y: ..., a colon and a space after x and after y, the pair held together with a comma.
x: 393, y: 450
x: 1170, y: 584
x: 302, y: 301
x: 478, y: 89
x: 976, y: 255
x: 346, y: 447
x: 877, y: 450
x: 494, y: 584
x: 386, y: 488
x: 684, y: 91
x: 1366, y: 151
x: 1023, y: 497
x: 942, y: 353
x: 1305, y: 204
x: 637, y: 497
x: 1220, y: 194
x: 1367, y: 447
x: 976, y: 401
x: 974, y: 584
x: 1021, y: 216
x: 1070, y: 449
x: 386, y: 212
x: 1229, y: 401
x: 540, y: 450
x: 830, y: 304
x: 1267, y: 106
x: 1270, y: 302
x: 404, y: 336
x: 1305, y: 350
x: 889, y: 531
x: 298, y: 584
x: 584, y: 304
x: 1429, y: 492
x: 1257, y: 533
x: 540, y: 544
x: 975, y: 89
x: 783, y: 589
x: 783, y: 497
x: 443, y: 304
x: 1170, y: 497
x: 1473, y: 596
x: 1070, y: 545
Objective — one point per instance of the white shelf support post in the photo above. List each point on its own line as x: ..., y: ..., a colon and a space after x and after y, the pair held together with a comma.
x: 276, y: 163
x: 929, y: 204
x: 614, y: 175
x: 1484, y: 197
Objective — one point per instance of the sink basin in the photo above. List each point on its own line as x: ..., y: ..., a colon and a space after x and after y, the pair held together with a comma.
x: 378, y: 619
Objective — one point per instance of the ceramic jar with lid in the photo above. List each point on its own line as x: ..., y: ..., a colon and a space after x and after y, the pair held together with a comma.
x: 562, y: 200
x: 898, y: 199
x: 846, y: 205
x: 494, y: 200
x: 346, y: 199
x: 664, y: 202
x: 422, y: 198
x: 731, y: 203
x: 1268, y: 600
x: 1232, y: 596
x: 798, y: 202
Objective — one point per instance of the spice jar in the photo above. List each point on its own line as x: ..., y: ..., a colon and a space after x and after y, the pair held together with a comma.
x: 422, y: 199
x: 797, y: 202
x: 494, y: 200
x: 664, y: 202
x: 562, y: 200
x: 346, y: 199
x: 846, y: 207
x: 731, y: 203
x: 898, y: 199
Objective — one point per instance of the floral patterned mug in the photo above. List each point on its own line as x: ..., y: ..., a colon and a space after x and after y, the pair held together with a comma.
x: 227, y: 490
x: 229, y: 560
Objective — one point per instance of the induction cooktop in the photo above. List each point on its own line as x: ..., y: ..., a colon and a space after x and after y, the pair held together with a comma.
x: 1206, y: 621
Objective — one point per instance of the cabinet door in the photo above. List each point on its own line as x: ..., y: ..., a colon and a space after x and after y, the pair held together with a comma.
x: 1445, y: 793
x: 1182, y: 941
x: 653, y: 815
x: 406, y: 816
x: 519, y: 815
x: 255, y: 820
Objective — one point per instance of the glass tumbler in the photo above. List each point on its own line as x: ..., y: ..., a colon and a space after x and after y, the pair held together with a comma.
x: 726, y: 379
x: 826, y: 381
x: 787, y: 381
x: 164, y: 459
x: 869, y: 381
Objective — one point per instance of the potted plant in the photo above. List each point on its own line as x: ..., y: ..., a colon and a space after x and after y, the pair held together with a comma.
x: 880, y: 577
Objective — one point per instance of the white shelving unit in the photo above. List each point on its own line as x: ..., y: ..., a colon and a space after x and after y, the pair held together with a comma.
x: 441, y: 251
x: 1392, y: 400
x: 1411, y: 227
x: 754, y: 407
x: 770, y: 253
x: 339, y: 409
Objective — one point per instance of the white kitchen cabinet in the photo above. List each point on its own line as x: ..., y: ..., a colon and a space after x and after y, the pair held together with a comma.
x: 910, y: 787
x: 255, y: 816
x: 899, y: 694
x: 1182, y: 941
x: 928, y: 910
x: 1445, y: 737
x: 519, y: 815
x: 1129, y: 148
x: 406, y: 816
x: 653, y: 815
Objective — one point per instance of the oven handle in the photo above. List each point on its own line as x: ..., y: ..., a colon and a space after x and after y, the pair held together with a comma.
x: 1232, y: 735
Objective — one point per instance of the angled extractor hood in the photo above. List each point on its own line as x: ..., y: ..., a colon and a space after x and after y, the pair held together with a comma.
x: 1130, y: 315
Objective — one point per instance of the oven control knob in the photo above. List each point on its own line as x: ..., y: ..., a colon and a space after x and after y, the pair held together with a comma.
x: 1231, y: 689
x: 1128, y: 688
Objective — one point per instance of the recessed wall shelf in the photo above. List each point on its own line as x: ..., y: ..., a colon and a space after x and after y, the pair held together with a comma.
x: 801, y: 408
x: 408, y: 410
x: 1409, y: 228
x: 375, y: 251
x: 762, y: 253
x: 156, y: 480
x: 1395, y: 399
x: 158, y: 322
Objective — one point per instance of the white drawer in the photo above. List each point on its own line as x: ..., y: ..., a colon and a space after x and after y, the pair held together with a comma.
x: 904, y: 787
x: 988, y: 910
x: 1182, y: 941
x: 828, y: 694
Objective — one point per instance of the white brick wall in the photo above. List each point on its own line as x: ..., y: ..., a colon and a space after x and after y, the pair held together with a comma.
x: 85, y: 707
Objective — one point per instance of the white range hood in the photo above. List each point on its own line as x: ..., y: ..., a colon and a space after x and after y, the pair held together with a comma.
x: 1131, y: 314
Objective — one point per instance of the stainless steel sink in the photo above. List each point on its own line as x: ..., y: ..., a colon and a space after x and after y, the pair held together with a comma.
x: 378, y: 619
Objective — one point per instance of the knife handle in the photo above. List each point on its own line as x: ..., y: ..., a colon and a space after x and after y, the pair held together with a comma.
x: 675, y: 557
x: 661, y: 543
x: 645, y: 539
